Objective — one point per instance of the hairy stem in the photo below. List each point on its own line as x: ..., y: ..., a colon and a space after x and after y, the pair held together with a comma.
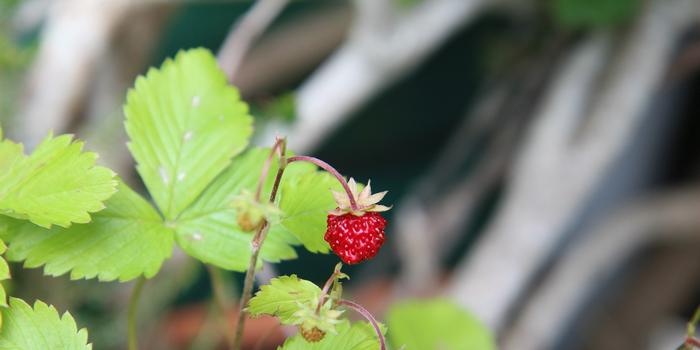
x: 327, y: 167
x: 279, y: 144
x: 366, y: 314
x: 131, y: 313
x: 326, y: 288
x: 219, y: 291
x: 257, y: 242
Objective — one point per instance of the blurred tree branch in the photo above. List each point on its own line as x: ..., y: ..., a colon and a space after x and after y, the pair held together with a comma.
x: 583, y: 126
x: 665, y: 217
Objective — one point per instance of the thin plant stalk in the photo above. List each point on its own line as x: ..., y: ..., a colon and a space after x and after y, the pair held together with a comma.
x: 219, y: 292
x: 326, y: 288
x: 131, y: 314
x: 366, y: 314
x: 327, y: 167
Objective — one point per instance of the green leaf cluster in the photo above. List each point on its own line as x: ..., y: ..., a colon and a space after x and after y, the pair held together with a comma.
x: 436, y: 324
x: 188, y: 129
x: 294, y: 301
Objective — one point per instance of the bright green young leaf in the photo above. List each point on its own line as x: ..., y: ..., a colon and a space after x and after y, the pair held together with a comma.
x: 305, y: 201
x: 10, y: 153
x: 436, y: 324
x: 40, y: 328
x: 358, y: 336
x: 124, y: 241
x: 185, y: 124
x: 283, y: 297
x: 208, y: 229
x: 57, y: 184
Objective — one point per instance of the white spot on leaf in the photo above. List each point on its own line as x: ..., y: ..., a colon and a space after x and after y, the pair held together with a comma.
x: 164, y: 175
x: 196, y: 236
x: 180, y: 176
x: 196, y: 100
x: 187, y: 136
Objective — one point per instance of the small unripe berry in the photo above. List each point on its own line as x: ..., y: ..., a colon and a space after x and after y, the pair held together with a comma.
x: 312, y: 335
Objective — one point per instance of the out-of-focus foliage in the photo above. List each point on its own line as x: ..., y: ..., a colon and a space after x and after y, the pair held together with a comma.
x: 436, y: 324
x: 593, y: 13
x: 282, y: 108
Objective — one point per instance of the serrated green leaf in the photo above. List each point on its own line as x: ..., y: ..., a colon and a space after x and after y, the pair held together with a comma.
x: 436, y: 324
x: 40, y: 328
x: 57, y: 184
x: 358, y: 336
x: 185, y: 124
x: 124, y: 241
x: 10, y: 153
x: 208, y: 229
x: 305, y: 201
x: 283, y: 297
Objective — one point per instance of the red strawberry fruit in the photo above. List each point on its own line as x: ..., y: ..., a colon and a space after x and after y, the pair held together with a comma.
x: 356, y: 234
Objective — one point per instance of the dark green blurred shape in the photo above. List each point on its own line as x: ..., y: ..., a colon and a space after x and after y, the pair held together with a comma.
x: 594, y: 13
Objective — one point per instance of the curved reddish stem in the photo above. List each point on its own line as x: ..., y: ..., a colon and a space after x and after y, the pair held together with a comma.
x: 366, y: 314
x: 327, y: 167
x: 326, y: 288
x: 692, y: 341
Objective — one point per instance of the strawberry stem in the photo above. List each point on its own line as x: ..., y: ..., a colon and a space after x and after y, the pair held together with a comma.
x: 366, y: 314
x: 280, y: 144
x: 327, y: 167
x: 327, y: 287
x: 259, y: 238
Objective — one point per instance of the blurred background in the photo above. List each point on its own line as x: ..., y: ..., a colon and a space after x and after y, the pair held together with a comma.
x: 542, y: 156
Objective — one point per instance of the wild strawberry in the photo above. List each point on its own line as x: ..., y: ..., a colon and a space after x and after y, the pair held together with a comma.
x: 356, y: 234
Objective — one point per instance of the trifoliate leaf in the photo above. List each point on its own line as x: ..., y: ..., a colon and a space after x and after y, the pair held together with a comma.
x: 57, y: 184
x: 358, y: 336
x: 208, y: 230
x: 124, y: 241
x: 305, y: 201
x: 40, y: 328
x: 436, y: 324
x: 185, y: 124
x: 283, y: 297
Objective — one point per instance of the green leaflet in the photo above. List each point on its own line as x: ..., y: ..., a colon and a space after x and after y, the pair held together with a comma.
x: 40, y: 328
x: 358, y: 336
x: 208, y: 230
x: 283, y: 297
x: 436, y: 324
x: 124, y: 241
x: 30, y: 188
x: 185, y: 124
x: 305, y: 201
